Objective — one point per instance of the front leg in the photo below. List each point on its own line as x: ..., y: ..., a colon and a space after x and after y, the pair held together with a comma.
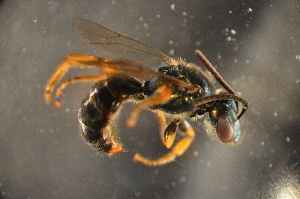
x: 178, y: 149
x: 167, y: 132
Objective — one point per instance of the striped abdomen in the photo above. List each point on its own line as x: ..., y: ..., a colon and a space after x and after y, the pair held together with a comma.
x: 98, y: 109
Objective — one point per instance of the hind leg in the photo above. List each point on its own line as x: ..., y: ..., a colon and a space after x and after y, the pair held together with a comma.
x: 59, y: 89
x: 70, y: 61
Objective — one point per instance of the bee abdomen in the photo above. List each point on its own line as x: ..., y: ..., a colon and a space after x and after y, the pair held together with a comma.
x: 98, y: 108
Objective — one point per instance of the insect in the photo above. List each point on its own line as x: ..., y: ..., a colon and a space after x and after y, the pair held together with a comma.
x: 177, y: 90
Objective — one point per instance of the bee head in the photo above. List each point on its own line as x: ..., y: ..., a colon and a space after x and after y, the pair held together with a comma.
x: 223, y: 118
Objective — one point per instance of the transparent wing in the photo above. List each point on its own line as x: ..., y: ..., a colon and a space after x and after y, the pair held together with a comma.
x: 118, y: 46
x: 115, y: 44
x: 138, y: 70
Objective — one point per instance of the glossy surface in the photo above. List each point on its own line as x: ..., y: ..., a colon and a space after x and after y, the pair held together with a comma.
x: 178, y: 90
x: 254, y: 44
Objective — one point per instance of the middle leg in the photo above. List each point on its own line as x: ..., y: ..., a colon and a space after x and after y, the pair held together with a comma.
x: 161, y: 96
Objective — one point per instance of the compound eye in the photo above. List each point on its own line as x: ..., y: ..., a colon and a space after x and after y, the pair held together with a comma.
x: 224, y: 129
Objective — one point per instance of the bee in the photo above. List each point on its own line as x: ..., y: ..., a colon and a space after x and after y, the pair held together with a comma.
x: 177, y: 90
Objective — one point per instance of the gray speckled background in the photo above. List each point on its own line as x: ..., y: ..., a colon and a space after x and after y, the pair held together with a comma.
x: 43, y: 156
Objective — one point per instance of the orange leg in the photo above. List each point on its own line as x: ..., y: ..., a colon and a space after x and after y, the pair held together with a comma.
x: 167, y: 132
x: 178, y: 149
x: 70, y: 61
x: 59, y: 92
x: 170, y: 133
x: 163, y: 125
x: 161, y: 96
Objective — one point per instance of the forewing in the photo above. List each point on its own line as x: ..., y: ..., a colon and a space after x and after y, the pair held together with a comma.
x: 115, y: 44
x: 119, y: 46
x: 138, y: 70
